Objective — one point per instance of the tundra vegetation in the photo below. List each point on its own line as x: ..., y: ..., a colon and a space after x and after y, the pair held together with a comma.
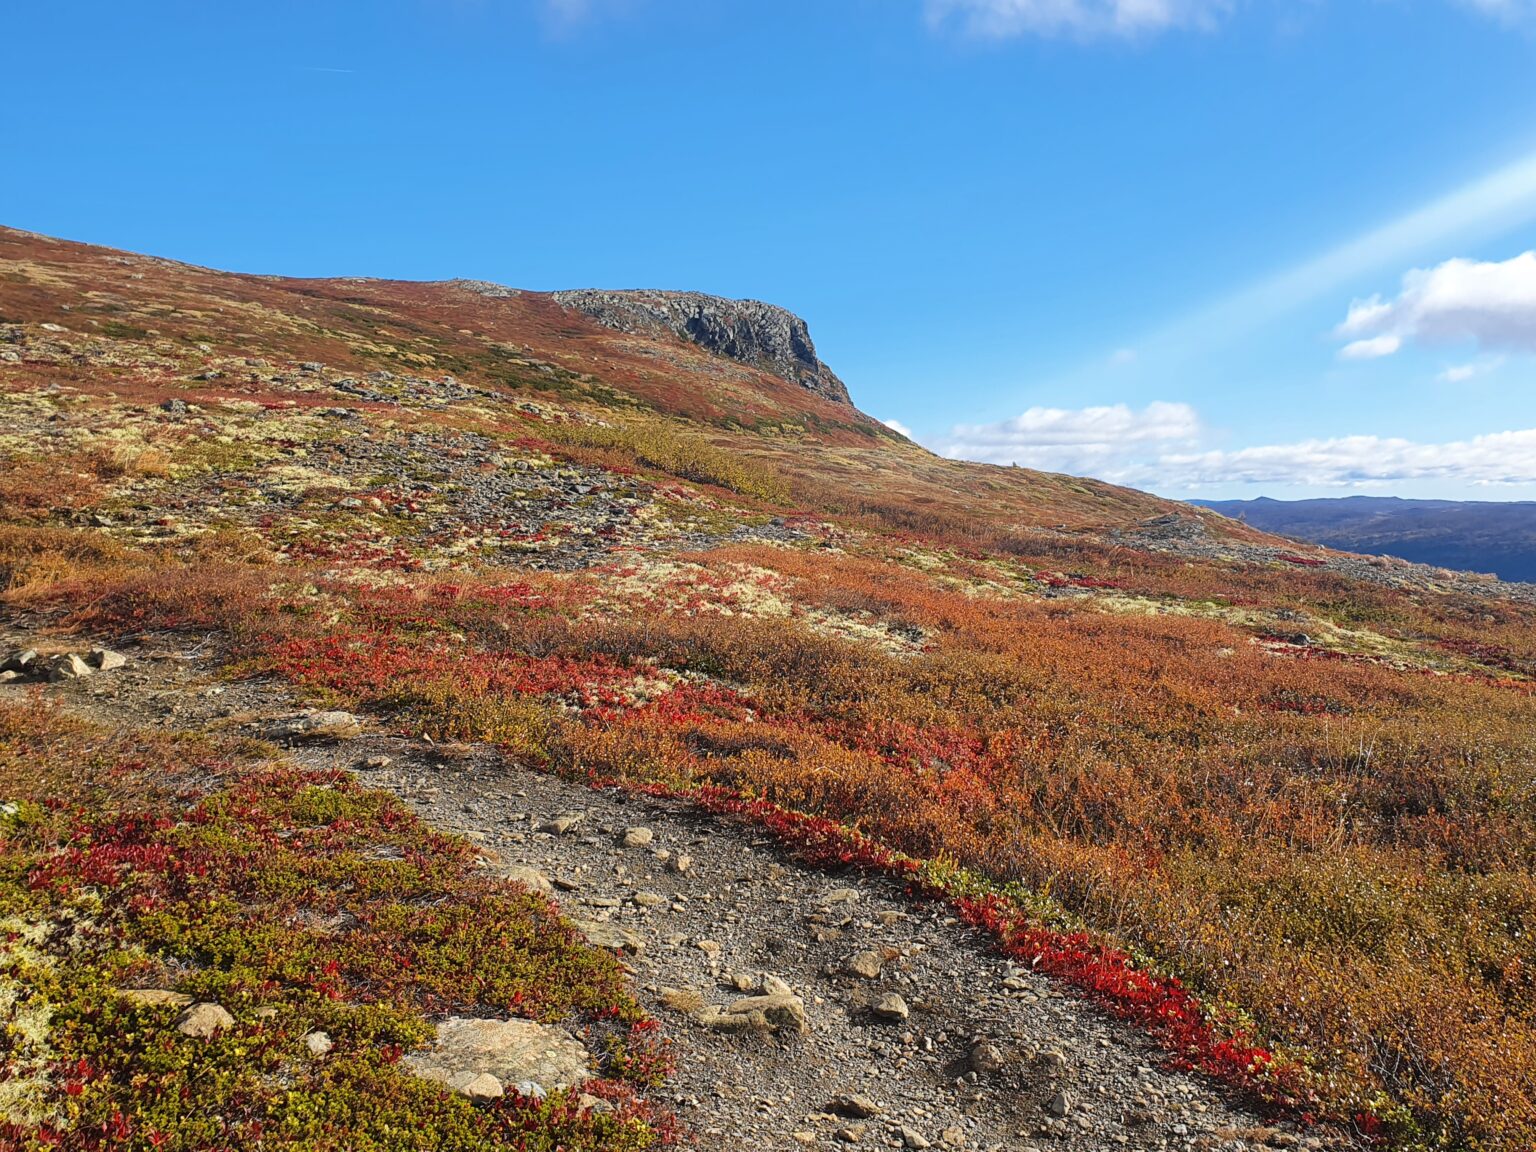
x: 1274, y: 806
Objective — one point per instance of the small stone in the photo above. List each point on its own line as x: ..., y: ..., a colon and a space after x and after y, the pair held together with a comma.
x: 774, y: 986
x: 6, y: 676
x: 561, y: 824
x: 952, y: 1138
x: 478, y: 1086
x: 318, y: 1044
x: 1054, y: 1060
x: 986, y: 1058
x: 638, y: 837
x: 891, y: 1007
x: 865, y: 964
x: 530, y: 878
x: 605, y: 934
x: 1060, y: 1103
x: 685, y: 1000
x: 783, y: 1013
x: 859, y: 1107
x: 174, y: 406
x: 852, y: 1134
x: 841, y: 896
x: 204, y: 1020
x: 68, y: 667
x: 106, y: 660
x: 587, y: 1102
x: 710, y: 948
x: 320, y: 726
x: 680, y: 863
x: 377, y: 762
x: 911, y: 1139
x: 22, y: 661
x: 649, y: 899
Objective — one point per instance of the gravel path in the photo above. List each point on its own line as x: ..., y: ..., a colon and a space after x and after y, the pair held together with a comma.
x: 985, y: 1057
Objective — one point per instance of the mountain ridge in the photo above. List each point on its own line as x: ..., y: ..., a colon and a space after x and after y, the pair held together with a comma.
x: 1469, y: 535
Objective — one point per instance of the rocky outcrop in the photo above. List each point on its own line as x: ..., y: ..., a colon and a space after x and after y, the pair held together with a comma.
x: 748, y: 331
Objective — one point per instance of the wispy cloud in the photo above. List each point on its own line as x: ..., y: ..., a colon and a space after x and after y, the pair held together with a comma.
x: 1491, y: 303
x: 898, y: 426
x: 1372, y: 349
x: 1083, y: 19
x: 1124, y: 19
x: 1461, y: 373
x: 1508, y: 11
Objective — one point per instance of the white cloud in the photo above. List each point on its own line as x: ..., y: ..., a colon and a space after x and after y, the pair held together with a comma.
x: 898, y: 426
x: 1372, y: 349
x: 1357, y: 461
x: 999, y: 19
x: 1461, y: 373
x: 1097, y: 440
x: 1492, y: 303
x: 1157, y: 447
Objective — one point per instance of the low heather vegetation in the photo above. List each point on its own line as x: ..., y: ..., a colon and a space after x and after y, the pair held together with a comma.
x: 212, y: 872
x: 1272, y: 805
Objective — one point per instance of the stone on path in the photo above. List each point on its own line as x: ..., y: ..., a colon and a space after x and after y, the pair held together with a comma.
x: 106, y: 660
x: 866, y: 964
x: 605, y: 934
x: 859, y: 1107
x: 321, y: 726
x: 891, y: 1007
x: 68, y: 667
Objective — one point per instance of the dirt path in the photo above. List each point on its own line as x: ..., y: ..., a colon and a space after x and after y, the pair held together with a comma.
x: 987, y: 1057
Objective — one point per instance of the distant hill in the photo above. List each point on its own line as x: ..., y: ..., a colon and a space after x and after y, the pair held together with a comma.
x: 1474, y: 535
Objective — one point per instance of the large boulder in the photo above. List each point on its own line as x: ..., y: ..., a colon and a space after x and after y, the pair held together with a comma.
x: 469, y: 1053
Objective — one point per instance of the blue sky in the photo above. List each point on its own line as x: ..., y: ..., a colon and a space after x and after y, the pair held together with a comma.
x: 1132, y: 238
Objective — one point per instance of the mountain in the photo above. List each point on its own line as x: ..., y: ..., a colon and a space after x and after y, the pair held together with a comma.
x: 747, y: 331
x: 1472, y: 535
x: 451, y: 715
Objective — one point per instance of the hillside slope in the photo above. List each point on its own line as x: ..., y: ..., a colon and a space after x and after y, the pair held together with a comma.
x: 1268, y: 805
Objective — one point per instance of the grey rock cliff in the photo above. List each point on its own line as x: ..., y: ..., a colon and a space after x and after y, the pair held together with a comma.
x: 749, y: 331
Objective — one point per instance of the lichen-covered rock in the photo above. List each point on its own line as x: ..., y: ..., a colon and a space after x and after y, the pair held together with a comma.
x: 155, y: 997
x: 204, y: 1021
x: 468, y: 1053
x: 320, y: 726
